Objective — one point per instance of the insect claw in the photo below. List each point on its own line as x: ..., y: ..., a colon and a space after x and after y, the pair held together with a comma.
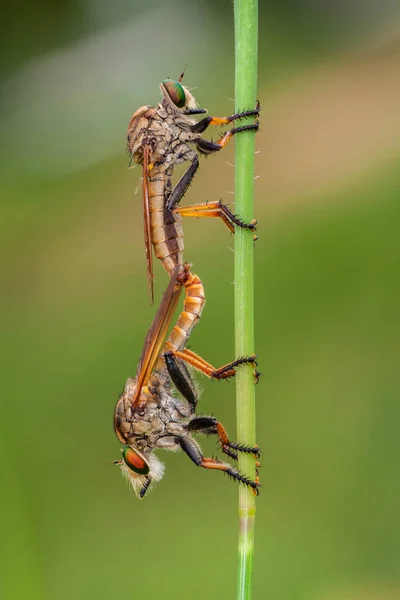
x: 255, y: 488
x: 253, y: 359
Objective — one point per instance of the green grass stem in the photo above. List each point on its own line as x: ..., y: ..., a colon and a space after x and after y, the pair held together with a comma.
x: 246, y: 33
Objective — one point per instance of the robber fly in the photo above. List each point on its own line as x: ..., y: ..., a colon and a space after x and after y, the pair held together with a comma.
x: 160, y: 138
x: 148, y: 416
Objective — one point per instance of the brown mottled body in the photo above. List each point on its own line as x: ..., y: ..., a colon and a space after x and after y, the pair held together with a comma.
x: 160, y: 138
x: 162, y: 133
x: 149, y: 416
x: 155, y: 400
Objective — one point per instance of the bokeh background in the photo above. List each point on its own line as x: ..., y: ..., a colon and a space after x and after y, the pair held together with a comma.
x: 75, y: 308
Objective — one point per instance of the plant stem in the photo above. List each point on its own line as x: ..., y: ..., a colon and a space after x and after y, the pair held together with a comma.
x: 246, y: 20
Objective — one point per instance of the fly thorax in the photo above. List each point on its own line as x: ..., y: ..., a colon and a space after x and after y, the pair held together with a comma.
x: 140, y: 427
x: 123, y: 408
x: 173, y: 409
x: 174, y: 429
x: 162, y: 112
x: 175, y: 131
x: 130, y: 387
x: 181, y: 152
x: 184, y: 122
x: 169, y: 108
x: 144, y: 444
x: 159, y: 382
x: 167, y: 134
x: 122, y: 427
x: 157, y: 425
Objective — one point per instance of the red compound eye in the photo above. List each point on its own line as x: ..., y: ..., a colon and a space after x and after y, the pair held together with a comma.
x: 135, y: 461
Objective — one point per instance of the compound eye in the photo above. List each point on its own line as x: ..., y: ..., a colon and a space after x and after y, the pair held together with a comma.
x: 175, y: 92
x: 135, y: 461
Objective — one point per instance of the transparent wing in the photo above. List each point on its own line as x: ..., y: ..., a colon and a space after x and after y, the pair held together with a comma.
x: 146, y: 216
x: 157, y: 333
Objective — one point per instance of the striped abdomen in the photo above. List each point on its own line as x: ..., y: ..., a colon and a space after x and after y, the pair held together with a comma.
x: 166, y: 226
x: 188, y: 318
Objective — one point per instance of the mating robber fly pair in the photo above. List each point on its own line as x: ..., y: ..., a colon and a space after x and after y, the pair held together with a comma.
x: 149, y: 415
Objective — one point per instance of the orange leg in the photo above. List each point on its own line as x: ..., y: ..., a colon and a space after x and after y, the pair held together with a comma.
x: 210, y: 426
x: 202, y: 125
x: 215, y: 209
x: 208, y: 147
x: 211, y: 463
x: 224, y: 139
x: 227, y: 445
x: 204, y: 367
x: 192, y: 449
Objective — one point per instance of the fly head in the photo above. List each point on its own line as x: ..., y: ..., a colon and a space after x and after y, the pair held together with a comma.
x: 177, y: 96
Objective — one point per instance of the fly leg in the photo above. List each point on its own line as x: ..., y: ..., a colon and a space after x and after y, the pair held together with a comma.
x: 181, y: 187
x: 204, y: 367
x: 210, y: 425
x: 212, y: 209
x: 208, y: 147
x: 202, y: 125
x: 182, y: 380
x: 215, y: 209
x: 192, y: 449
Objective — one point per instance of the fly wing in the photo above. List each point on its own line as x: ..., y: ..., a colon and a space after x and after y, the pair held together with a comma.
x: 156, y: 335
x: 146, y: 215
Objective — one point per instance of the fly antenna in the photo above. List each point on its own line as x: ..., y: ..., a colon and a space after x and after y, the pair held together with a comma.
x: 182, y: 74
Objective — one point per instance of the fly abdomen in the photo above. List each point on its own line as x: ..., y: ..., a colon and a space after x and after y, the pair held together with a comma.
x: 166, y: 227
x: 188, y: 318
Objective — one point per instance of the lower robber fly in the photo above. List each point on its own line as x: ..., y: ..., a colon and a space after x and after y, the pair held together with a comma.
x: 148, y: 416
x: 160, y: 138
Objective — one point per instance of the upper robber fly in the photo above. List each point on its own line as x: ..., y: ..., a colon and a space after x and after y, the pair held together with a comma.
x: 160, y: 138
x: 149, y: 415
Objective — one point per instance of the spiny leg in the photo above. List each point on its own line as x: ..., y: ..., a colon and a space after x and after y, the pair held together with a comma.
x: 210, y: 426
x: 181, y: 379
x: 257, y: 376
x: 204, y: 367
x: 215, y: 209
x: 181, y: 187
x: 202, y: 125
x: 191, y: 448
x: 208, y: 147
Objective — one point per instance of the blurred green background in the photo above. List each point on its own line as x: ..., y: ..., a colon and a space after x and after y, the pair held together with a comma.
x: 75, y: 308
